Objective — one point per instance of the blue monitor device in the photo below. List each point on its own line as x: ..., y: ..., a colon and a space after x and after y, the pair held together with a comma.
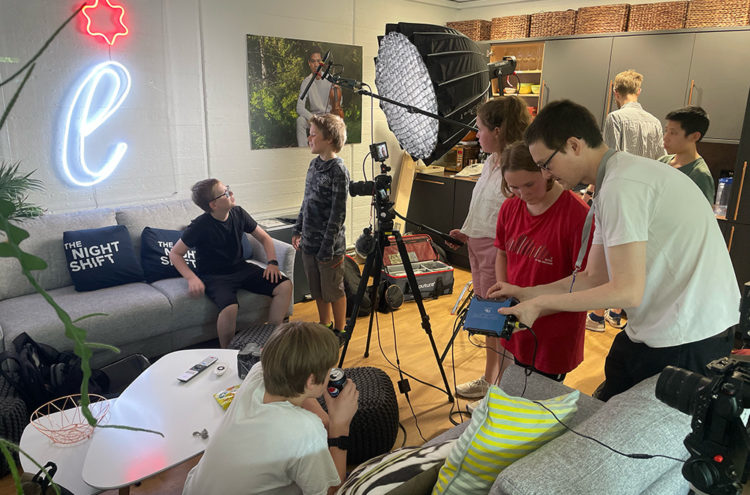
x: 482, y: 316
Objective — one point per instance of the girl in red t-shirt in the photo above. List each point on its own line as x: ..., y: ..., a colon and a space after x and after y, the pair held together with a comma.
x: 538, y: 237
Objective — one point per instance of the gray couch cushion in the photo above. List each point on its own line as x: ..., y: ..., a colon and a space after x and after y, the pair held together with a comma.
x: 188, y: 311
x: 174, y: 215
x: 46, y: 241
x: 124, y: 324
x: 631, y: 422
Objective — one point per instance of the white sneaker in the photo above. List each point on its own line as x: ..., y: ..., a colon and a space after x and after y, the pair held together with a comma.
x: 475, y: 389
x: 473, y: 405
x: 594, y: 326
x: 617, y: 321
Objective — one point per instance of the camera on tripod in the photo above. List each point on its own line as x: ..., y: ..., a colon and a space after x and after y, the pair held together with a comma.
x: 719, y: 442
x: 381, y: 184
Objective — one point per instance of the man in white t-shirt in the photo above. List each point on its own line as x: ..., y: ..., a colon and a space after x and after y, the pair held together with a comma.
x: 317, y: 100
x: 657, y: 252
x: 272, y: 439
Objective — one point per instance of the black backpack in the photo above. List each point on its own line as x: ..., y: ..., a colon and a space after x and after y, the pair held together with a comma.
x: 40, y: 373
x: 352, y: 277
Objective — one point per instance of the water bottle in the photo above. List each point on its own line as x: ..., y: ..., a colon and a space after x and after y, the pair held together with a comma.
x: 722, y: 196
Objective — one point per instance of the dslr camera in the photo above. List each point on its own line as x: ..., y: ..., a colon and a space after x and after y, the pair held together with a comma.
x: 719, y: 442
x: 381, y: 184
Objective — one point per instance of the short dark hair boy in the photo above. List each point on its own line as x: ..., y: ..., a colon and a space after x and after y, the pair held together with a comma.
x: 691, y: 119
x: 565, y: 119
x: 685, y: 128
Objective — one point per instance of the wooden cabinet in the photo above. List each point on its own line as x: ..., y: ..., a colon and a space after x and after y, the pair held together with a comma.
x: 577, y: 69
x: 720, y: 79
x: 441, y: 203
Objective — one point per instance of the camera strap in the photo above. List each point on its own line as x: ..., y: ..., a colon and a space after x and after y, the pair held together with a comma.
x: 600, y: 173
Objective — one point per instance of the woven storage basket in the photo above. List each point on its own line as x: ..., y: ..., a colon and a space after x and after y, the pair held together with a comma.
x: 705, y: 13
x: 602, y: 19
x: 559, y: 23
x: 510, y: 27
x: 476, y: 29
x: 655, y: 16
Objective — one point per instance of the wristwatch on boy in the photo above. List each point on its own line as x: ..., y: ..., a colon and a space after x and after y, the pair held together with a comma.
x: 341, y: 442
x: 273, y: 262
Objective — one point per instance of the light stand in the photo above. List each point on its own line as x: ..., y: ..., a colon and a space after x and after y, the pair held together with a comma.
x: 374, y: 264
x: 446, y: 73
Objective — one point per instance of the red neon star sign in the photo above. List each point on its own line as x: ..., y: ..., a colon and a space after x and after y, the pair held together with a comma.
x: 114, y: 13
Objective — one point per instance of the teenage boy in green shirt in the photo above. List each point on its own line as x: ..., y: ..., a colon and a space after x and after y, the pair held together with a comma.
x: 685, y: 127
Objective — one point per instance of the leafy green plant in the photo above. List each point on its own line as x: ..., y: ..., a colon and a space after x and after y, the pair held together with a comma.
x: 14, y: 187
x: 14, y: 205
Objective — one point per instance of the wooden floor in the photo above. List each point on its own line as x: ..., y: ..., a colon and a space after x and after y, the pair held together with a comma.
x: 431, y: 408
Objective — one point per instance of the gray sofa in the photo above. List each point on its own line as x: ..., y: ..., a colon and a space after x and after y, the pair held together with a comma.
x: 632, y: 422
x: 151, y: 319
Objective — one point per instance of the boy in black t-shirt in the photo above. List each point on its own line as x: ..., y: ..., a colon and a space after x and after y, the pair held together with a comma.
x: 216, y: 237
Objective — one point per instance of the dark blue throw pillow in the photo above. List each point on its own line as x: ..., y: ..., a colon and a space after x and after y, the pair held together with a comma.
x: 155, y: 247
x: 99, y: 258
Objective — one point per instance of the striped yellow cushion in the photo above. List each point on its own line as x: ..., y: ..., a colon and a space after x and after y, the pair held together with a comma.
x: 503, y: 429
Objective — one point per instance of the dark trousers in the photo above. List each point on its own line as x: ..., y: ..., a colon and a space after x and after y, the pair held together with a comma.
x: 558, y: 378
x: 629, y: 363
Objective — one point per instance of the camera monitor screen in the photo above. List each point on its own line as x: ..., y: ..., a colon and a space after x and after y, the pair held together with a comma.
x: 379, y: 151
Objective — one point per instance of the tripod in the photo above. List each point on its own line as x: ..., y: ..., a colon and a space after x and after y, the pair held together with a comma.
x: 374, y: 265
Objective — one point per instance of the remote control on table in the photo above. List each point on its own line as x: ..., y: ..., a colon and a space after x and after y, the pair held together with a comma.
x: 189, y: 374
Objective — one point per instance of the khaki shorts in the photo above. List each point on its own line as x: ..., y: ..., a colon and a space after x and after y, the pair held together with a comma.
x: 326, y: 278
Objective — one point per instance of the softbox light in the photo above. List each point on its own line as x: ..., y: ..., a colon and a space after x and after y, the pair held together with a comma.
x: 436, y: 69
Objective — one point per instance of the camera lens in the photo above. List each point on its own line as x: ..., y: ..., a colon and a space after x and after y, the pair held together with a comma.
x: 361, y: 188
x: 678, y: 388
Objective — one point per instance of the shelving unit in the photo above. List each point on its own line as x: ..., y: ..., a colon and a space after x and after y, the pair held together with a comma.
x: 529, y: 59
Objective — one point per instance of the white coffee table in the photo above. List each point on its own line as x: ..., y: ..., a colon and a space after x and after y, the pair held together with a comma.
x: 156, y: 400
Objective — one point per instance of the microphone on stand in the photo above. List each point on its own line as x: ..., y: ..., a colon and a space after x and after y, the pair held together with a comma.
x: 315, y: 75
x: 346, y: 83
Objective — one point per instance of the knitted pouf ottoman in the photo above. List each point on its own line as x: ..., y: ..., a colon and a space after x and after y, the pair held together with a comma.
x: 375, y: 425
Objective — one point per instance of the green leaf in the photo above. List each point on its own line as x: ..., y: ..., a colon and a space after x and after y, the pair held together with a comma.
x: 89, y: 316
x: 106, y: 347
x: 6, y: 250
x: 16, y: 234
x: 7, y: 208
x: 31, y: 262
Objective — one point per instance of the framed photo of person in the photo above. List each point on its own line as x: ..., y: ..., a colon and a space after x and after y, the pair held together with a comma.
x: 279, y: 70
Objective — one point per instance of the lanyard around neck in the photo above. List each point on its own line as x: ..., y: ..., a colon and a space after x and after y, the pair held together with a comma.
x: 600, y: 173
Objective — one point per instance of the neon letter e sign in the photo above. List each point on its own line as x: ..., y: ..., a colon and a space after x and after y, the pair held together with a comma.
x: 91, y: 106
